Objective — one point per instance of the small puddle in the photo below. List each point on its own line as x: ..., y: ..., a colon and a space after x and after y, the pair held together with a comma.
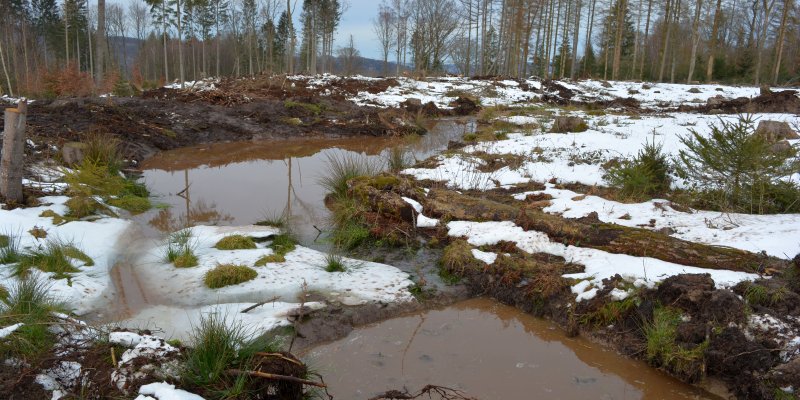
x: 489, y: 351
x: 245, y: 182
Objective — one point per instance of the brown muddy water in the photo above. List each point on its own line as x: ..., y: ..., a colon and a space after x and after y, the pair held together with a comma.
x: 488, y: 351
x: 245, y: 182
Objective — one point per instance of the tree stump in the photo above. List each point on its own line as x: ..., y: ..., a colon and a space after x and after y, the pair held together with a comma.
x: 11, y: 160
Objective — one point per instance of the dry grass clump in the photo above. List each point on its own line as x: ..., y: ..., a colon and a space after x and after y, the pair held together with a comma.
x: 228, y: 274
x: 235, y: 242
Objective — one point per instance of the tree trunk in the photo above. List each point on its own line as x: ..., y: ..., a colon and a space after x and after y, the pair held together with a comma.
x: 787, y: 6
x: 665, y: 47
x: 180, y: 43
x: 646, y: 47
x: 618, y: 38
x: 712, y: 45
x: 5, y: 70
x: 164, y: 26
x: 99, y: 42
x: 12, y: 158
x: 695, y: 39
x: 575, y: 34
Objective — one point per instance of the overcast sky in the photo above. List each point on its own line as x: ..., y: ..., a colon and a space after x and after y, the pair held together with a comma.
x: 356, y: 21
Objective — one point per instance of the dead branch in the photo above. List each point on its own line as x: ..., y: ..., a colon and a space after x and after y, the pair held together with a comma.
x: 443, y: 392
x: 239, y: 372
x: 260, y: 304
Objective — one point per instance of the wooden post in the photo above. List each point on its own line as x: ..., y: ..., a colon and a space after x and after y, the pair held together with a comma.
x: 13, y: 152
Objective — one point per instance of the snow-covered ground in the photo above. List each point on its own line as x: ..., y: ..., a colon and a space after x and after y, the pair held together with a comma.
x: 284, y: 284
x: 579, y: 158
x: 87, y: 289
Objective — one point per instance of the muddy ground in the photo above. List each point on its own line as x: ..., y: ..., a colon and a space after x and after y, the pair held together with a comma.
x: 268, y: 108
x: 712, y: 331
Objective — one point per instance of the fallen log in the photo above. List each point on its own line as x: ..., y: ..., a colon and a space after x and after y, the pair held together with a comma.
x: 585, y: 232
x: 644, y: 243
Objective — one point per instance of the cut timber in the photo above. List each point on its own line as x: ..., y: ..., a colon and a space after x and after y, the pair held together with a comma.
x: 449, y: 205
x: 13, y: 151
x: 644, y: 243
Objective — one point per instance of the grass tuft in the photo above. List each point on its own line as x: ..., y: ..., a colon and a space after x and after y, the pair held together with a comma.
x: 334, y: 263
x: 282, y: 244
x: 272, y: 258
x: 57, y: 218
x: 9, y: 248
x: 662, y: 349
x: 55, y: 257
x: 28, y: 302
x: 235, y: 242
x: 133, y: 204
x: 457, y: 256
x: 342, y: 168
x: 180, y: 249
x: 219, y: 345
x: 228, y: 274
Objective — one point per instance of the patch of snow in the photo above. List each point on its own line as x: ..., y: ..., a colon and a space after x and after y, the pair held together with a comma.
x: 775, y: 234
x: 9, y: 330
x: 425, y: 222
x: 598, y: 264
x: 125, y: 339
x: 61, y: 377
x: 617, y: 294
x: 165, y: 391
x: 487, y: 257
x: 87, y: 289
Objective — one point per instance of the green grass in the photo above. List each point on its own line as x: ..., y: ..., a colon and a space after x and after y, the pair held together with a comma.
x: 397, y: 159
x: 235, y: 242
x: 342, y: 168
x: 228, y: 274
x: 28, y: 302
x: 180, y: 249
x: 217, y: 346
x: 272, y: 258
x: 662, y: 349
x: 610, y: 313
x: 133, y: 204
x: 275, y: 220
x: 94, y: 177
x: 315, y: 109
x: 55, y: 257
x: 334, y: 263
x: 282, y: 244
x: 9, y: 248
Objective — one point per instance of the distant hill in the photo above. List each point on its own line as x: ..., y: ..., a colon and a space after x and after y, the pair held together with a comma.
x: 125, y: 51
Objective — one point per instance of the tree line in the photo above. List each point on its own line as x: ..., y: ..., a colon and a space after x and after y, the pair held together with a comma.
x: 50, y: 47
x: 747, y: 41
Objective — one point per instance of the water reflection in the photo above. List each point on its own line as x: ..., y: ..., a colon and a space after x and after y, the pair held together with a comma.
x: 489, y: 351
x: 246, y: 182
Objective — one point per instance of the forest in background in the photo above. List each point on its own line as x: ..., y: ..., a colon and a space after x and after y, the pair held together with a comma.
x: 52, y: 48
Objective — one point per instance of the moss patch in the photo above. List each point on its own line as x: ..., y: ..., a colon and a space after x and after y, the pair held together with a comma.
x: 228, y: 274
x: 235, y: 242
x: 133, y: 204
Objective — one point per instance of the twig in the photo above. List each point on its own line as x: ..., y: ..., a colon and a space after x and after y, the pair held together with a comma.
x: 279, y: 355
x: 239, y: 372
x: 260, y: 304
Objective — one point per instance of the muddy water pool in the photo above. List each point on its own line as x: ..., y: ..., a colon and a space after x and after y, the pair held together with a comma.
x: 489, y: 351
x: 245, y: 182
